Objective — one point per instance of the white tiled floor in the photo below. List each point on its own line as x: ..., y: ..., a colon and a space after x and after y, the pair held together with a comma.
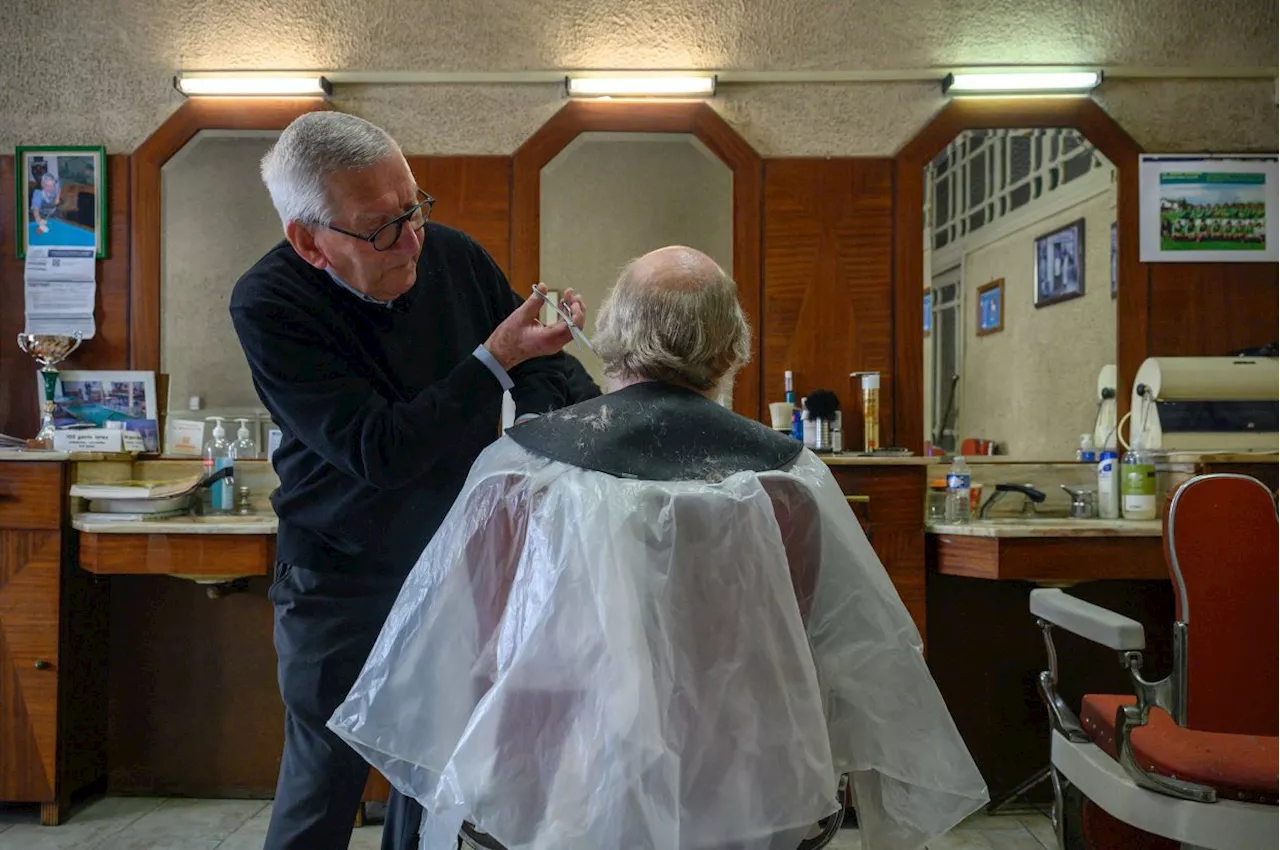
x: 151, y: 823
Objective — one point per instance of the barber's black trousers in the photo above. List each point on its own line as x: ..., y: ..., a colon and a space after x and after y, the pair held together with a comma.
x: 325, y: 627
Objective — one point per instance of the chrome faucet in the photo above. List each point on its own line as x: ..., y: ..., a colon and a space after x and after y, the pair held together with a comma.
x: 1034, y: 497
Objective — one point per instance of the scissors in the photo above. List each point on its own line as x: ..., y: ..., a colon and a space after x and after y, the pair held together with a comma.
x: 564, y: 313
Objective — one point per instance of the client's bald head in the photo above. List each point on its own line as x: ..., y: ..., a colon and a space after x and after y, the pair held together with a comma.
x: 673, y: 316
x: 673, y: 268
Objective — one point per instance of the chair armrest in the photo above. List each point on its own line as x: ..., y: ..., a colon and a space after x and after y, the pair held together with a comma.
x: 1089, y: 621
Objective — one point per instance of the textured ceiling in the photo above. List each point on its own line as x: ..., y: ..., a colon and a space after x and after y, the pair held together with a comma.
x: 111, y: 82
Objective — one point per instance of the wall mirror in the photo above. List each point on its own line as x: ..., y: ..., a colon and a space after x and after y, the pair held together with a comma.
x: 1019, y: 292
x: 603, y: 181
x: 216, y: 222
x: 608, y: 197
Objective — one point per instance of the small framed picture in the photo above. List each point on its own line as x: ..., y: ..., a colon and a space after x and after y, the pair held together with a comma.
x: 991, y: 307
x: 1114, y: 276
x: 1197, y: 208
x: 92, y: 399
x: 1060, y: 264
x: 61, y: 198
x: 928, y: 311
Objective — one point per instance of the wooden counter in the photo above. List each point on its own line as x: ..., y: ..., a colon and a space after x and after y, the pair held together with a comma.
x: 987, y: 651
x: 1050, y: 551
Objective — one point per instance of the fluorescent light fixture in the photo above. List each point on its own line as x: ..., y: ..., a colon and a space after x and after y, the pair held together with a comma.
x: 1021, y: 82
x: 641, y: 86
x: 252, y: 85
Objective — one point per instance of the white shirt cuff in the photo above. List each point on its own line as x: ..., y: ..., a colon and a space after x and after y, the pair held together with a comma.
x: 482, y: 354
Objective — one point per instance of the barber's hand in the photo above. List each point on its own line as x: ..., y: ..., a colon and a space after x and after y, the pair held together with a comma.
x: 521, y: 336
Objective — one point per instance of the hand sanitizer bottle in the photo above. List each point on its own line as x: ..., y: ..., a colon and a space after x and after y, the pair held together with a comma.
x: 243, y: 448
x: 217, y: 455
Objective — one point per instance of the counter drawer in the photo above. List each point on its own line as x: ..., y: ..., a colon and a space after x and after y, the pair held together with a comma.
x: 31, y: 495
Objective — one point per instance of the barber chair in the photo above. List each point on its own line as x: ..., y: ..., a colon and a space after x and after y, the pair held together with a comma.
x: 801, y: 534
x: 1190, y: 760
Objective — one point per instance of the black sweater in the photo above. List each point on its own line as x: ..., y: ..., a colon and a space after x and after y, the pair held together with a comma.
x: 382, y: 409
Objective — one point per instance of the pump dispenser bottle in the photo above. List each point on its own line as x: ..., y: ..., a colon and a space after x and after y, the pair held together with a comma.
x: 243, y: 448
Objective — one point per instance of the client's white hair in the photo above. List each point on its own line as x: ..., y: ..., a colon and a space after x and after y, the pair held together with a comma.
x: 673, y: 316
x: 314, y: 146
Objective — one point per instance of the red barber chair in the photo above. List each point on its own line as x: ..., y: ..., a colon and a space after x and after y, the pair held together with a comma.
x: 1190, y: 760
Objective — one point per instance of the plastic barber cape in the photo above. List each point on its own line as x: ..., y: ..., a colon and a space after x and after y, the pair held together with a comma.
x: 649, y: 624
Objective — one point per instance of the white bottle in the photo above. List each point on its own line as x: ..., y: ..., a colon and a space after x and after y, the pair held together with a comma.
x: 243, y: 448
x: 217, y: 455
x: 1109, y: 485
x: 958, y: 507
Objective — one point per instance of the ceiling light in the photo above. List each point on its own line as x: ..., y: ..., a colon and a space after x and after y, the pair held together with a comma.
x: 252, y: 85
x: 1020, y: 82
x: 641, y: 86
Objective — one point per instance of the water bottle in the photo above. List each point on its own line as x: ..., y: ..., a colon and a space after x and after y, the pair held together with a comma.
x: 958, y: 508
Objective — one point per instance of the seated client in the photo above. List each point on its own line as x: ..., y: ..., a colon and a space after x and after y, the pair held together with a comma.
x: 650, y: 623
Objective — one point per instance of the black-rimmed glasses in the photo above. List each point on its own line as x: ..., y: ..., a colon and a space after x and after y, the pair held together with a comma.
x: 387, y: 235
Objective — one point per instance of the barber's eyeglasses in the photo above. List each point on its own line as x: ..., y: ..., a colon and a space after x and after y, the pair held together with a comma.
x: 387, y: 235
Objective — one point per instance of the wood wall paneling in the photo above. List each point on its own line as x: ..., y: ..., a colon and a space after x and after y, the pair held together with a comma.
x: 1212, y: 309
x: 828, y: 281
x: 473, y: 194
x: 109, y: 349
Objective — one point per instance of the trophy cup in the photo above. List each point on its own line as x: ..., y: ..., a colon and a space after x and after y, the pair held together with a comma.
x: 48, y: 350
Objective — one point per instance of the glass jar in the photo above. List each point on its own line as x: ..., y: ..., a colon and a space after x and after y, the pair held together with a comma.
x: 935, y: 509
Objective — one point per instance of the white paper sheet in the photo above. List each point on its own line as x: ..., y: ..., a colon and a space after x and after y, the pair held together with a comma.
x: 61, y: 290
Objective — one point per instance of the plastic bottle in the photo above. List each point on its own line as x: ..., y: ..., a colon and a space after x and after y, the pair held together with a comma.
x: 244, y: 448
x: 1086, y: 452
x: 958, y: 508
x: 1109, y: 485
x: 1138, y: 487
x: 217, y: 455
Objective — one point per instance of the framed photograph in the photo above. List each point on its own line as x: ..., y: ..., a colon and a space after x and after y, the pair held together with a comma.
x: 991, y: 307
x: 1207, y: 209
x: 61, y: 198
x: 1060, y: 264
x: 1114, y: 266
x: 928, y: 311
x: 92, y: 399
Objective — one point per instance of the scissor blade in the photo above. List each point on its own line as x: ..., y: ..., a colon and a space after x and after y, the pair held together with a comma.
x: 578, y: 336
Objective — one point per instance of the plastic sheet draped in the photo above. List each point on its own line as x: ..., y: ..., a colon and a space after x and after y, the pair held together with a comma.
x: 582, y: 662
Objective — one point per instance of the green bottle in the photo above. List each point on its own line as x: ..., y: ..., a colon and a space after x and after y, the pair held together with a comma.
x: 1138, y: 485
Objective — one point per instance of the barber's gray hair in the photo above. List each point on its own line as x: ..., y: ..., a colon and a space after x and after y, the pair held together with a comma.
x: 311, y: 148
x: 689, y: 330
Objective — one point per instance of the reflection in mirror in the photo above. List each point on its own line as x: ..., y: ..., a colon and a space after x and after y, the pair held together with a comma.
x: 217, y: 221
x: 1019, y: 293
x: 610, y: 197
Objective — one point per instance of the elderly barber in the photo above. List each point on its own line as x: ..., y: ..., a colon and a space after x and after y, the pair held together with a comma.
x: 381, y: 343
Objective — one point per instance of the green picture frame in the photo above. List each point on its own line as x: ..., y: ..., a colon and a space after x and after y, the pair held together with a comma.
x: 61, y: 197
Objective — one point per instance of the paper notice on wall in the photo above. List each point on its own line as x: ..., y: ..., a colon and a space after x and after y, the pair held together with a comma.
x: 61, y: 290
